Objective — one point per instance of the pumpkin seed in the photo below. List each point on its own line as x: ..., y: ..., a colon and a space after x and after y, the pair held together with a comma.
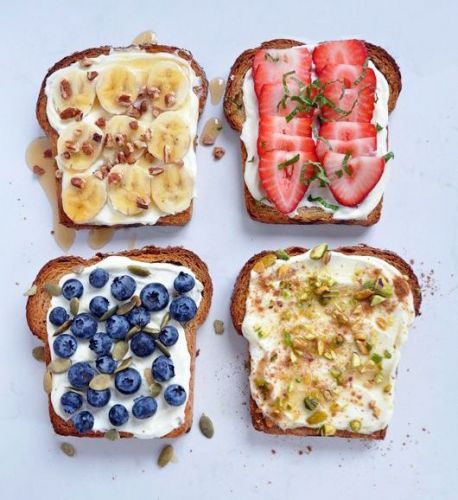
x: 355, y: 425
x: 311, y: 403
x: 112, y: 435
x: 59, y: 365
x: 317, y: 417
x: 327, y: 430
x: 39, y: 353
x: 31, y: 291
x: 318, y: 252
x: 128, y: 306
x: 151, y: 331
x: 52, y: 289
x: 138, y: 270
x: 125, y: 363
x: 135, y: 329
x: 148, y: 376
x: 74, y: 306
x: 218, y: 326
x: 165, y: 455
x: 120, y: 350
x: 165, y: 320
x: 100, y: 382
x: 282, y: 255
x: 206, y: 426
x: 47, y: 382
x: 63, y: 327
x: 155, y: 389
x: 68, y: 449
x: 162, y: 348
x: 109, y: 313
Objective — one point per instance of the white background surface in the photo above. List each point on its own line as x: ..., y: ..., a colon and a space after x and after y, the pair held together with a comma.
x: 419, y: 220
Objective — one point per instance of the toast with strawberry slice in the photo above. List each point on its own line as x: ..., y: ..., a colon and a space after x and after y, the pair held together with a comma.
x: 283, y: 94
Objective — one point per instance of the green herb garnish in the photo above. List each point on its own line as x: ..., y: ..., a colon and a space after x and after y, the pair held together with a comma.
x: 376, y: 358
x: 386, y: 354
x: 282, y: 255
x: 252, y: 160
x: 379, y: 127
x: 269, y: 57
x: 287, y: 340
x: 323, y: 202
x: 289, y: 162
x: 389, y: 156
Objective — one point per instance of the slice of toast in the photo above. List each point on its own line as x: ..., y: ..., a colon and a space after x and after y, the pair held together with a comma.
x: 238, y: 311
x: 235, y: 114
x: 178, y: 219
x: 39, y: 304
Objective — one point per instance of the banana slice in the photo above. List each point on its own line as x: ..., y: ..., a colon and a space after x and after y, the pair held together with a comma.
x: 170, y: 137
x: 117, y: 89
x: 73, y: 94
x: 125, y: 140
x: 129, y: 189
x: 171, y: 81
x: 79, y: 145
x: 84, y: 197
x: 172, y: 190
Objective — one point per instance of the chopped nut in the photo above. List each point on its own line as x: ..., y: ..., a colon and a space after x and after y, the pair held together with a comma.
x: 87, y: 148
x: 340, y: 317
x: 133, y: 124
x: 142, y: 203
x: 355, y: 360
x: 355, y: 425
x: 170, y: 99
x: 37, y: 170
x: 77, y: 182
x: 320, y: 346
x: 92, y: 75
x: 363, y: 294
x: 327, y: 430
x: 155, y: 170
x: 133, y: 112
x: 318, y: 252
x: 65, y: 89
x: 47, y: 153
x: 68, y: 113
x: 375, y: 409
x: 99, y: 174
x: 381, y: 323
x: 218, y: 326
x: 362, y: 347
x: 100, y: 122
x: 58, y: 174
x: 114, y: 178
x: 124, y: 100
x: 96, y: 137
x: 218, y: 152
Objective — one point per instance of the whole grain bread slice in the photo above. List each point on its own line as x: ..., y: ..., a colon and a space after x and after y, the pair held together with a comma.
x: 179, y: 219
x: 238, y: 310
x: 234, y: 111
x: 38, y: 306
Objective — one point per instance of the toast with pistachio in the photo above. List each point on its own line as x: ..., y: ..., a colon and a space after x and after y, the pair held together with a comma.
x: 123, y: 123
x: 119, y: 334
x: 324, y: 328
x: 313, y: 124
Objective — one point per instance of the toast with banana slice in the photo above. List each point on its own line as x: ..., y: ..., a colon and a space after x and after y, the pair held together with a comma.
x: 123, y: 123
x: 313, y: 123
x: 119, y: 334
x: 325, y: 329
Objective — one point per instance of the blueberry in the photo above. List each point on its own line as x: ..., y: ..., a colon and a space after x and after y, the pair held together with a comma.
x: 144, y: 407
x: 123, y: 287
x: 128, y: 381
x: 58, y: 316
x: 183, y: 309
x: 80, y: 374
x: 139, y: 316
x: 184, y: 282
x: 101, y: 343
x: 118, y: 415
x: 169, y: 335
x: 71, y: 402
x: 142, y: 344
x: 154, y: 297
x: 117, y: 327
x: 65, y: 345
x: 98, y: 398
x: 162, y: 368
x: 98, y: 278
x: 84, y: 326
x: 98, y: 306
x: 175, y: 395
x: 106, y: 364
x: 83, y: 421
x: 72, y: 288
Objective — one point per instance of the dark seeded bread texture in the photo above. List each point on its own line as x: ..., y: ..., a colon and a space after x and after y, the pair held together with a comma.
x: 38, y: 305
x: 235, y: 115
x: 238, y: 309
x: 179, y: 219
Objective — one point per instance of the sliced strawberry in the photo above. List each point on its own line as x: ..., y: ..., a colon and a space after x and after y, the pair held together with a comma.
x: 284, y: 142
x: 339, y: 52
x: 271, y: 102
x: 349, y: 104
x: 285, y: 186
x: 349, y: 75
x: 347, y: 131
x: 357, y: 147
x: 269, y: 65
x: 278, y: 124
x: 351, y: 188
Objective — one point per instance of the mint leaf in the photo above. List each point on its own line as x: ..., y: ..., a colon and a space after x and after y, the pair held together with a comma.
x: 286, y: 163
x: 322, y: 202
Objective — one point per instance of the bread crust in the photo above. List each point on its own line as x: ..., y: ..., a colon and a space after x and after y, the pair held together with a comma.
x: 179, y: 219
x: 38, y: 305
x: 235, y: 115
x: 238, y: 310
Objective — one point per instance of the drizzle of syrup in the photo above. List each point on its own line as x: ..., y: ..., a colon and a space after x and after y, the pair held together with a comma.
x: 217, y: 86
x: 99, y: 236
x: 38, y: 154
x: 145, y: 37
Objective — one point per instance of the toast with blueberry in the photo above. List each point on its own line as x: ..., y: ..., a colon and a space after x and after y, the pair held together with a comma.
x: 122, y: 123
x: 119, y: 334
x: 313, y: 124
x: 324, y: 330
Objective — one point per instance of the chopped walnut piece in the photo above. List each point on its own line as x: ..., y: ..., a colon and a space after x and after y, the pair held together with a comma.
x: 155, y: 170
x: 149, y: 157
x: 92, y: 75
x: 65, y: 89
x: 78, y: 182
x: 101, y: 122
x: 156, y: 112
x: 99, y: 174
x: 109, y: 141
x: 130, y: 160
x: 153, y: 92
x: 87, y: 148
x: 96, y: 137
x: 47, y: 153
x: 133, y: 124
x: 124, y: 100
x: 170, y: 99
x: 68, y: 113
x: 143, y: 106
x: 218, y: 152
x: 142, y: 203
x: 114, y: 178
x: 37, y: 170
x: 133, y: 111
